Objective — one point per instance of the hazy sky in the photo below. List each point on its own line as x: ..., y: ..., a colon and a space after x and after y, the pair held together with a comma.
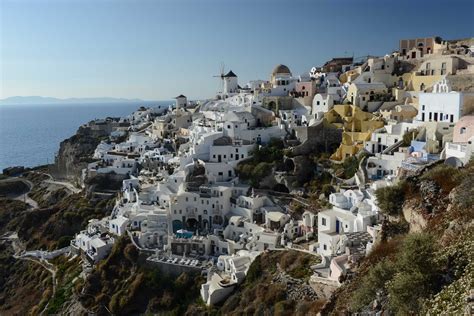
x: 158, y: 49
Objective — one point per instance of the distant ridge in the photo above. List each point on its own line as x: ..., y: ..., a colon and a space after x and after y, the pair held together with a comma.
x: 17, y: 100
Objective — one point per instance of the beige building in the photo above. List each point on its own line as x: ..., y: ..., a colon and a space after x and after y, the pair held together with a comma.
x: 400, y: 113
x: 409, y: 47
x: 360, y: 94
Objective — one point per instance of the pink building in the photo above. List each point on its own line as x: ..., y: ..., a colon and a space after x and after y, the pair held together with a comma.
x: 464, y: 129
x: 304, y: 92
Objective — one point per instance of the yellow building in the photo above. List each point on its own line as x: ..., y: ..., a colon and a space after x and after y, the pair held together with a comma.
x: 399, y: 113
x: 357, y: 127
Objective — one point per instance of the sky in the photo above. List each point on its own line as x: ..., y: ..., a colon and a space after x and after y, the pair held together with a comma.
x: 155, y: 50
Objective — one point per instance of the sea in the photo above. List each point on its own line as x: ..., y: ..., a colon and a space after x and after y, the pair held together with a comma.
x: 30, y: 134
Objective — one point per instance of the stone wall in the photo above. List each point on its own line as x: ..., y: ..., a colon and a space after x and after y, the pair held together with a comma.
x: 322, y: 137
x: 173, y: 269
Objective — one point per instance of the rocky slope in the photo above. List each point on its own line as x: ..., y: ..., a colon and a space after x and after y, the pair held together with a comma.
x: 425, y: 263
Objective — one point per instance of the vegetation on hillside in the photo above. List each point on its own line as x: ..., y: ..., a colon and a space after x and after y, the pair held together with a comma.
x: 260, y: 165
x: 259, y: 295
x: 125, y: 285
x: 429, y: 271
x: 13, y: 187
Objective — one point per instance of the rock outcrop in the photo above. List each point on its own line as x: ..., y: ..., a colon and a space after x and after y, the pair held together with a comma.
x: 76, y: 152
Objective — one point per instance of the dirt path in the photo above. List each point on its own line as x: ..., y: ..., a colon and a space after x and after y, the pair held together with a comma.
x: 67, y: 185
x: 24, y: 197
x: 19, y: 249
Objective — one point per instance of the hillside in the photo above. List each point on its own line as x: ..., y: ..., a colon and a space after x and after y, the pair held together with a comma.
x: 425, y: 262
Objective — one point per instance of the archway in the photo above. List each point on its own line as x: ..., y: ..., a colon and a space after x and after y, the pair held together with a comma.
x: 205, y: 225
x: 272, y: 105
x: 192, y: 224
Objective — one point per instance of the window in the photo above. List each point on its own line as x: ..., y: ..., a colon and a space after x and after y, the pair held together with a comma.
x: 423, y: 107
x: 325, y: 247
x: 323, y: 221
x: 463, y: 130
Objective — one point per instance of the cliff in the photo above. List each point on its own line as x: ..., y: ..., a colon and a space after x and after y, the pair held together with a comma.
x: 76, y: 152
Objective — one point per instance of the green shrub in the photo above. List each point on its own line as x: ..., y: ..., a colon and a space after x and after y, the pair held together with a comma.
x: 410, y: 277
x: 374, y: 281
x: 64, y: 241
x: 408, y: 137
x: 255, y: 270
x: 350, y: 165
x: 445, y: 176
x: 406, y: 291
x: 390, y: 199
x: 328, y: 189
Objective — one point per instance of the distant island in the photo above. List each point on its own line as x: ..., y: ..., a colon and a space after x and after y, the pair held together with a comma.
x: 20, y: 100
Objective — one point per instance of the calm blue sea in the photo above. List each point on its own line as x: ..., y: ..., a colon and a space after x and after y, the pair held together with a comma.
x: 30, y: 134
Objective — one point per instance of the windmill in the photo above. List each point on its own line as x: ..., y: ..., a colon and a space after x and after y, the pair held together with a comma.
x: 222, y: 73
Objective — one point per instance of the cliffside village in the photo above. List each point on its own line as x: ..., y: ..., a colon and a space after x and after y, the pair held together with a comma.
x: 182, y: 202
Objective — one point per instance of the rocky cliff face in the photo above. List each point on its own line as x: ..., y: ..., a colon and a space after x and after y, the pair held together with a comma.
x: 76, y: 152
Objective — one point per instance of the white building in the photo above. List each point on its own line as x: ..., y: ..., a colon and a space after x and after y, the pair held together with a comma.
x: 232, y: 271
x: 333, y: 224
x: 387, y: 136
x: 381, y: 165
x: 231, y: 84
x: 442, y: 105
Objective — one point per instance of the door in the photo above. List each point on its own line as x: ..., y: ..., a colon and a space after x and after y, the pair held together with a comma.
x: 337, y: 225
x: 219, y: 158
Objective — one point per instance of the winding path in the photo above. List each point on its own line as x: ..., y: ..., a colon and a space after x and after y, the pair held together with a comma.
x: 65, y: 184
x: 24, y: 197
